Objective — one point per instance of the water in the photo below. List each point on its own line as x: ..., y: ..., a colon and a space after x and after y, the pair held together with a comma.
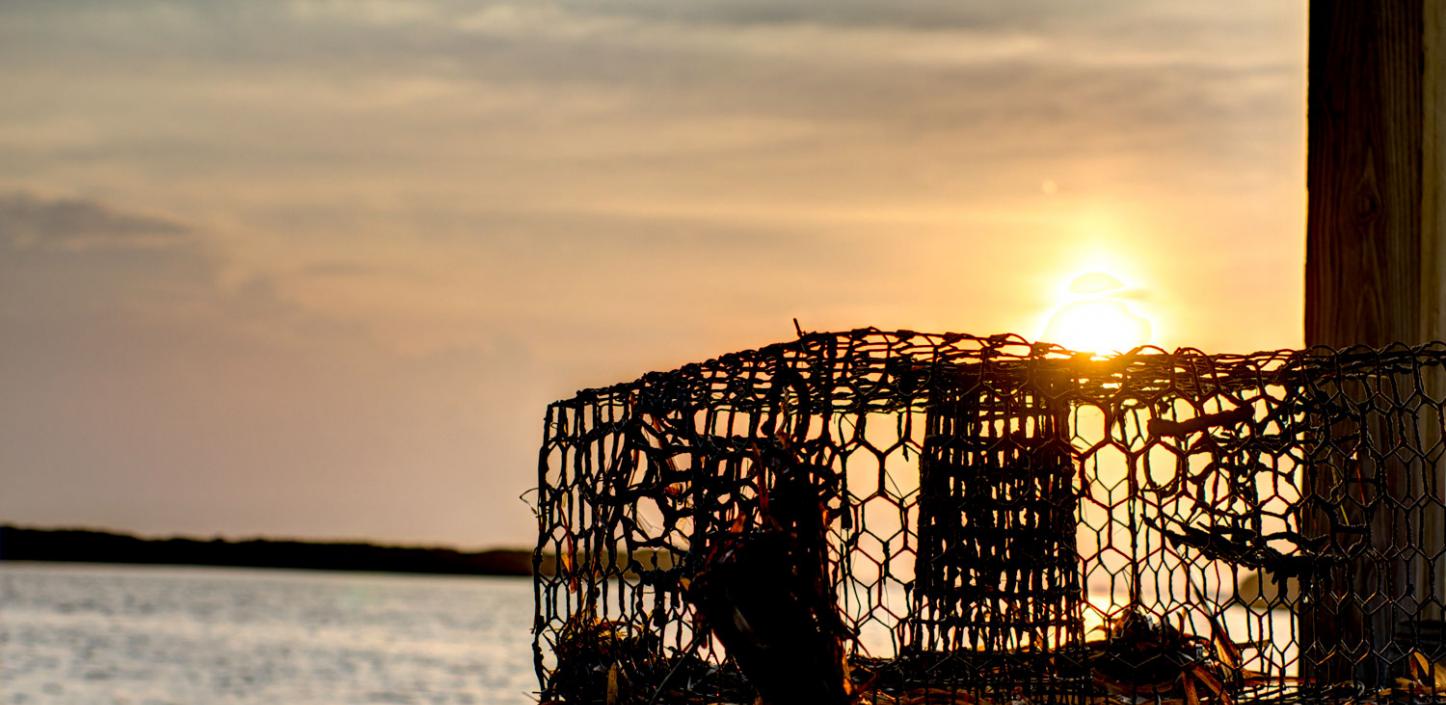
x: 127, y: 635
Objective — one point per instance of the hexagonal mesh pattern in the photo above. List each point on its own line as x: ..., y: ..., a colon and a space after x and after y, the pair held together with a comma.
x: 1007, y: 522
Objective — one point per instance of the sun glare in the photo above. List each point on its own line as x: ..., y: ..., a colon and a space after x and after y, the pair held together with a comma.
x: 1095, y: 315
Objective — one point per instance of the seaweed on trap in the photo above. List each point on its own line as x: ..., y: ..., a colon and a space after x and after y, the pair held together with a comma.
x: 974, y: 502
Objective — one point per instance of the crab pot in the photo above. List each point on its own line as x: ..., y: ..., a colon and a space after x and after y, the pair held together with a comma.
x: 966, y: 519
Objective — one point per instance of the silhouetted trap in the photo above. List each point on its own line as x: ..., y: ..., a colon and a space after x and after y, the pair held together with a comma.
x: 911, y: 518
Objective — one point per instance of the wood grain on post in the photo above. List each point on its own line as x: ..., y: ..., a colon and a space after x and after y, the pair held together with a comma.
x: 1374, y: 248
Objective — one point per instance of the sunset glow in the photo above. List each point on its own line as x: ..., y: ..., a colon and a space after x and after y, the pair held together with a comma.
x: 1094, y: 314
x: 316, y: 268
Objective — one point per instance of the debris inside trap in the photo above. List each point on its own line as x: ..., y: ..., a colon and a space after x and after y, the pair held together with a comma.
x: 1427, y: 678
x: 1144, y: 656
x: 605, y: 662
x: 599, y: 661
x: 1137, y: 660
x: 767, y: 596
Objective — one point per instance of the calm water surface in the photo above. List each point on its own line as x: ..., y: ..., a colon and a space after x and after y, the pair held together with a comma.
x: 83, y: 634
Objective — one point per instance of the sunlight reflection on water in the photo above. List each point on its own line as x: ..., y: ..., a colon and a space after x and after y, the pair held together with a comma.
x: 83, y: 634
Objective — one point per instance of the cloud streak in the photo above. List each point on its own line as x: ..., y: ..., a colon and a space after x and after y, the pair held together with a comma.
x: 77, y: 224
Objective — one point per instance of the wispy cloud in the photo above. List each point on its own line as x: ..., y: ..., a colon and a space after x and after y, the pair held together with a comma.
x: 79, y: 224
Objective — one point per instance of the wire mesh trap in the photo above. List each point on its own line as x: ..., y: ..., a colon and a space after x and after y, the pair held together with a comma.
x: 910, y: 518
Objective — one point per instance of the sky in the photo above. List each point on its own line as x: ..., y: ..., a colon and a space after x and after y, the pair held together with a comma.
x: 315, y: 269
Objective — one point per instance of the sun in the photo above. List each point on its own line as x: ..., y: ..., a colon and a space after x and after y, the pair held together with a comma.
x: 1095, y: 315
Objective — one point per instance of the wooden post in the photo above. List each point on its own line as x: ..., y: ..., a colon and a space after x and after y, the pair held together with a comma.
x: 1367, y: 253
x: 1376, y: 238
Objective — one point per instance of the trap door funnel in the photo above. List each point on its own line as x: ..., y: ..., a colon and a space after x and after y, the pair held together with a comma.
x: 998, y: 571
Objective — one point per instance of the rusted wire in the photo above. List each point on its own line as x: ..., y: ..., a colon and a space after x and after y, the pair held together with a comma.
x: 993, y: 511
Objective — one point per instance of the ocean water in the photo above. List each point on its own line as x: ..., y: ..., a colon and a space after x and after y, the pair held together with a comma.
x: 124, y: 635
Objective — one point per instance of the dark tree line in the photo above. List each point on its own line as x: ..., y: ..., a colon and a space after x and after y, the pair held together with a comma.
x: 24, y: 544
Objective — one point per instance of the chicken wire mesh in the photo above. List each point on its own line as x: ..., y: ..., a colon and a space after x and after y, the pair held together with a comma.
x: 900, y: 517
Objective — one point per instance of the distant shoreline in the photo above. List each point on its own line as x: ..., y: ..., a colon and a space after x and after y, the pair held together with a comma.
x: 91, y: 546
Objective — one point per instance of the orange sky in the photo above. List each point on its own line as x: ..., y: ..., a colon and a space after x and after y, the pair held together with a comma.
x: 316, y: 268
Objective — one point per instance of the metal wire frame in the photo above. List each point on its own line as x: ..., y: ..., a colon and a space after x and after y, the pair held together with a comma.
x: 999, y: 508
